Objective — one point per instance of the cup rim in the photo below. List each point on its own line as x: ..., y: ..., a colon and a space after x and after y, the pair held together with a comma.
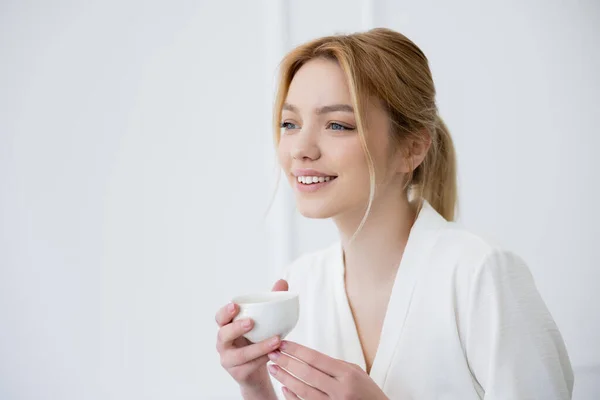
x: 278, y: 297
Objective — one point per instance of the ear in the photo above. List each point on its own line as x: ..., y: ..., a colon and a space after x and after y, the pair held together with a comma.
x: 414, y: 151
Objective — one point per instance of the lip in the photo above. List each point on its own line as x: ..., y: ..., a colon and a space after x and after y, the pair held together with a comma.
x: 309, y: 172
x: 313, y: 187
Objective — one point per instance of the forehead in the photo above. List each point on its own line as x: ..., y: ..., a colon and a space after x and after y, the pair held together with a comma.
x: 319, y: 82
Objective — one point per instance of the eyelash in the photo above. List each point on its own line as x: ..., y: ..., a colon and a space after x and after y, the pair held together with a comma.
x: 284, y: 125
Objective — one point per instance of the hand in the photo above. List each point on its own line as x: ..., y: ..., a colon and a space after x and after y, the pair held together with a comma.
x: 245, y: 361
x: 325, y: 377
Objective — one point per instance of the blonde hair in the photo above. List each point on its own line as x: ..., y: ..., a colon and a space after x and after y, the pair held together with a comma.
x: 385, y: 64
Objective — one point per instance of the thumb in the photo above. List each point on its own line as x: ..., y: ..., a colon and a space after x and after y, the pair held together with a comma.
x: 280, y: 286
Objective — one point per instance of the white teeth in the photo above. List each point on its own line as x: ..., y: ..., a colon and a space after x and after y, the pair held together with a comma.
x: 307, y: 180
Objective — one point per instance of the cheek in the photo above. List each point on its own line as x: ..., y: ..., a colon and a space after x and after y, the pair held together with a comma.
x: 283, y: 154
x: 349, y: 156
x: 382, y: 158
x: 351, y: 161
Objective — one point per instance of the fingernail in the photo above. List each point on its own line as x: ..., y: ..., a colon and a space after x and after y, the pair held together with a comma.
x: 246, y: 324
x: 285, y: 390
x: 282, y: 346
x: 272, y: 369
x: 274, y: 355
x: 231, y: 307
x: 275, y: 341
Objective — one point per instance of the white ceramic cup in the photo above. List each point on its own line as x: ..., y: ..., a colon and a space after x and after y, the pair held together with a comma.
x: 273, y: 313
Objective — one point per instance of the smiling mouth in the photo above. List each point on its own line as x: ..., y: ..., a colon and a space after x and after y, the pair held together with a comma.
x: 311, y: 180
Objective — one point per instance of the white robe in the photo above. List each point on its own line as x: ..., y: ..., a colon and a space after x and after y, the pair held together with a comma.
x: 464, y: 320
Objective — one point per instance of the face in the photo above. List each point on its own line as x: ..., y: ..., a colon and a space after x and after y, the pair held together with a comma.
x: 320, y: 148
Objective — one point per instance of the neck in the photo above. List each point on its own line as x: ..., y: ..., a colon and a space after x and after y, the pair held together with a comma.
x: 373, y: 256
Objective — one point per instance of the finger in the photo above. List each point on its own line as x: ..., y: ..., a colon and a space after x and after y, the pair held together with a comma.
x: 258, y: 362
x: 235, y: 357
x: 228, y: 333
x: 225, y: 314
x: 288, y: 394
x: 251, y: 366
x: 280, y: 286
x: 304, y: 372
x: 320, y: 361
x: 299, y: 388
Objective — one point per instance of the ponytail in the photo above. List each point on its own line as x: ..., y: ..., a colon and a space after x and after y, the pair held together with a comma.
x: 435, y: 179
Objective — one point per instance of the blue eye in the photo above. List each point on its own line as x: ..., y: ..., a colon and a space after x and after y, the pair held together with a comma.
x: 288, y: 125
x: 339, y: 127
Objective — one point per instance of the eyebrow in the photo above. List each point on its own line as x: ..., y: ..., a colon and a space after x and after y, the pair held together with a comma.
x: 324, y: 109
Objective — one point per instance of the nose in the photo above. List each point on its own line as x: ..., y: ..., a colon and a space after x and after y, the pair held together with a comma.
x: 306, y: 146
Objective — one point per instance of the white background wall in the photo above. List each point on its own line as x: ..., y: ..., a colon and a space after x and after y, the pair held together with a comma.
x: 136, y: 164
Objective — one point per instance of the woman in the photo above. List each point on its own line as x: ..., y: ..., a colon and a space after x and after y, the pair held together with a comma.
x: 407, y: 305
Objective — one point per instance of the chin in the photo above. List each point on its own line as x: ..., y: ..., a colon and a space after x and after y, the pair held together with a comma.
x: 314, y: 211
